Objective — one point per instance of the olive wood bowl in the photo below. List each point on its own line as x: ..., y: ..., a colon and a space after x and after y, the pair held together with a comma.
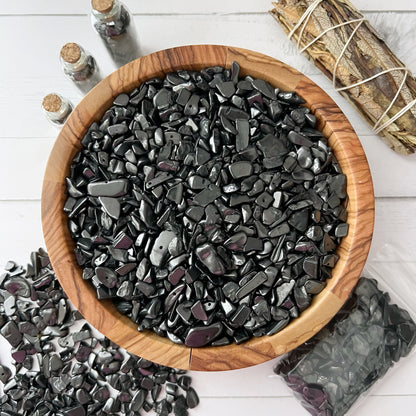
x: 120, y: 329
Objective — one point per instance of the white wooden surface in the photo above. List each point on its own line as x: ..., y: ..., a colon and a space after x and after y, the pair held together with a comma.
x: 31, y: 34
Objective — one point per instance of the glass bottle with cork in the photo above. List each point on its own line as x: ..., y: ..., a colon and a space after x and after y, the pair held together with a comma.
x: 56, y: 108
x: 80, y: 67
x: 113, y: 22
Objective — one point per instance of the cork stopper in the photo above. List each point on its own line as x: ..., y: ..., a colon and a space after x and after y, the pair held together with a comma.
x: 102, y: 6
x: 52, y: 103
x: 71, y: 52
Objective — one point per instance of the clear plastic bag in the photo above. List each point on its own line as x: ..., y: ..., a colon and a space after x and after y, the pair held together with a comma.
x: 371, y: 333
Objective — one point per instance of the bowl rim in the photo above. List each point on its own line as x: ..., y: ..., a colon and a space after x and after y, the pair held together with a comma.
x: 353, y: 249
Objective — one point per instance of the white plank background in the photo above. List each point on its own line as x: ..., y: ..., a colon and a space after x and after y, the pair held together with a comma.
x: 31, y: 34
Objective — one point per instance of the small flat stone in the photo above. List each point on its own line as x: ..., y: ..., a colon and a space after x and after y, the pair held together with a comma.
x: 176, y: 275
x: 311, y: 266
x: 265, y: 88
x: 299, y: 220
x: 195, y: 212
x: 240, y: 316
x: 192, y: 105
x: 314, y: 287
x: 236, y: 242
x: 299, y: 139
x: 198, y: 311
x: 123, y: 241
x: 18, y: 286
x: 160, y: 178
x: 5, y: 374
x: 208, y: 256
x: 10, y: 331
x: 121, y: 100
x: 243, y: 134
x: 264, y: 200
x: 279, y: 230
x: 175, y: 193
x: 271, y: 146
x: 203, y: 335
x: 226, y: 89
x: 113, y: 188
x: 117, y: 129
x: 275, y: 327
x: 74, y: 411
x: 106, y: 276
x: 160, y: 248
x: 241, y: 169
x: 238, y: 199
x: 283, y: 291
x: 253, y: 244
x: 341, y: 230
x: 270, y: 215
x: 198, y: 182
x: 315, y: 233
x: 257, y: 280
x: 192, y: 399
x: 207, y: 196
x: 168, y: 166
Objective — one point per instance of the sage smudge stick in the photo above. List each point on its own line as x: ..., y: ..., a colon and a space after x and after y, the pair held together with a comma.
x: 348, y: 50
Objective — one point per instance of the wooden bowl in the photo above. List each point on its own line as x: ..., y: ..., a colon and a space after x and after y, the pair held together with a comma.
x: 120, y: 329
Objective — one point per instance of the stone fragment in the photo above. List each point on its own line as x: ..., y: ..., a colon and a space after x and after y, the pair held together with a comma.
x: 203, y: 335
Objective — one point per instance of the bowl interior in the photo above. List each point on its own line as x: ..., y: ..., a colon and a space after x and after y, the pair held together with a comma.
x: 352, y: 251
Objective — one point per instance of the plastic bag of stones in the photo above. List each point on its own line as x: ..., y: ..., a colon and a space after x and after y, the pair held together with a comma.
x: 60, y: 366
x: 374, y: 331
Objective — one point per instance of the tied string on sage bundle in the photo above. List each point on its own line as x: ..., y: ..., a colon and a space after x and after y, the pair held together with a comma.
x: 341, y: 42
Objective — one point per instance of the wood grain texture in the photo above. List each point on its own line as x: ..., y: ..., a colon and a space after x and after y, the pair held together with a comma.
x: 103, y: 315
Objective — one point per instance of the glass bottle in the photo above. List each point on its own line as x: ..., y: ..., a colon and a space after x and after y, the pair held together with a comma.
x: 113, y: 22
x: 80, y: 67
x: 56, y: 108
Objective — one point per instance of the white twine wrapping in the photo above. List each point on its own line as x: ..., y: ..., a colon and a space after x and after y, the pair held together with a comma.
x: 303, y: 21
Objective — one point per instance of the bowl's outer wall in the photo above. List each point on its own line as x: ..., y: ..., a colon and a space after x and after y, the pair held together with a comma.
x: 353, y: 249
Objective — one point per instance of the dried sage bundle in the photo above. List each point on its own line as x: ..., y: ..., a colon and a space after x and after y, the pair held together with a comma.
x: 347, y: 49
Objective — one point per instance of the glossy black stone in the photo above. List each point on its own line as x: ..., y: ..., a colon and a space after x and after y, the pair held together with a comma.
x: 203, y: 335
x: 241, y: 169
x: 210, y: 259
x: 113, y: 188
x: 207, y: 196
x: 257, y: 280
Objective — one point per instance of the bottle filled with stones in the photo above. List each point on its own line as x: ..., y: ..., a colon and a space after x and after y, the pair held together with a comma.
x: 113, y: 22
x: 56, y: 108
x: 80, y: 67
x: 208, y: 207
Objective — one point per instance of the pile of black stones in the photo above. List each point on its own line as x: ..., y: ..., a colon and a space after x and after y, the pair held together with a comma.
x: 208, y: 207
x: 63, y: 367
x: 332, y: 370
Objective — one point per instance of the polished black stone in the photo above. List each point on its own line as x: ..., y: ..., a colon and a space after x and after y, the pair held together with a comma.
x: 113, y: 188
x: 203, y: 335
x: 241, y: 169
x: 210, y: 259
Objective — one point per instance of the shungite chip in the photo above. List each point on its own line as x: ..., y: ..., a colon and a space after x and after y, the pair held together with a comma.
x: 10, y: 331
x: 5, y: 374
x: 203, y: 335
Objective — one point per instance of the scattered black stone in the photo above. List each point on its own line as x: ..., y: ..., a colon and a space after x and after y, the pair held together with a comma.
x: 198, y: 181
x: 329, y: 372
x: 63, y: 369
